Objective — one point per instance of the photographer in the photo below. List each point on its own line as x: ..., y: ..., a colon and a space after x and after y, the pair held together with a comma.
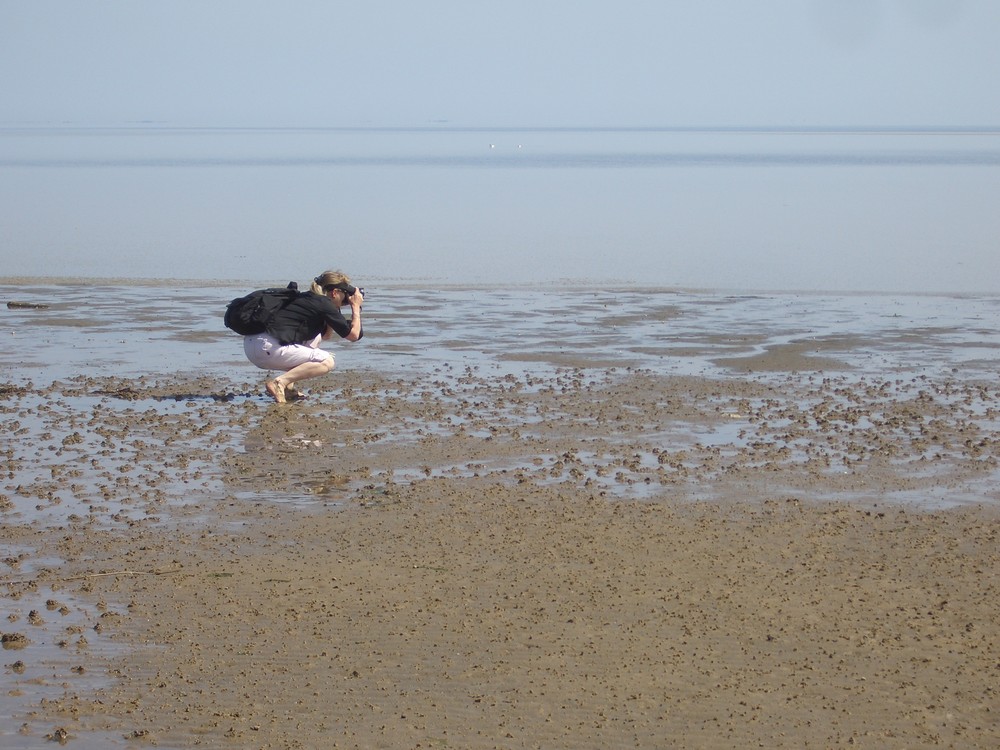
x: 291, y: 341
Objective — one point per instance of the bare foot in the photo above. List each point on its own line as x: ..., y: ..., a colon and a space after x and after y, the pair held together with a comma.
x: 277, y: 390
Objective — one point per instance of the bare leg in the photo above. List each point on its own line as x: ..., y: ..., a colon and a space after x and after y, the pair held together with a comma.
x: 276, y: 387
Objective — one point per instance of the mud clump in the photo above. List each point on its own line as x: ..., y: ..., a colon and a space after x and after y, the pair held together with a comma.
x: 14, y: 641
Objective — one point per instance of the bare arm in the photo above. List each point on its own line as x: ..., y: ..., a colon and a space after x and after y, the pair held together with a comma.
x: 355, y: 301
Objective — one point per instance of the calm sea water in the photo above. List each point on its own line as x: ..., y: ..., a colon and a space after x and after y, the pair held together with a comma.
x: 745, y: 209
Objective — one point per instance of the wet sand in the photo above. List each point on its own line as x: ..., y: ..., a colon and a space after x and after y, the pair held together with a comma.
x: 591, y: 559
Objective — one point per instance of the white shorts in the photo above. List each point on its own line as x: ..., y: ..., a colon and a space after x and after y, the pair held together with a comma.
x: 267, y: 353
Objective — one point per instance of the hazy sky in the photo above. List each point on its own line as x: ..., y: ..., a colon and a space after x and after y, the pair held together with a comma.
x: 515, y: 62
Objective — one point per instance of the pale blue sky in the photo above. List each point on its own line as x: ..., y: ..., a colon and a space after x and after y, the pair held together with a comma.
x: 515, y: 62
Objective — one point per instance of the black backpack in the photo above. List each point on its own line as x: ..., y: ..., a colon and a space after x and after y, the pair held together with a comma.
x: 250, y: 315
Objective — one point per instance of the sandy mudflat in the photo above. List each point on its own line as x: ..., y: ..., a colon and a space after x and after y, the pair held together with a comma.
x: 582, y: 561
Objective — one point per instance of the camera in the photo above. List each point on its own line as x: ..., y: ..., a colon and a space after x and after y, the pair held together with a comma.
x: 350, y: 290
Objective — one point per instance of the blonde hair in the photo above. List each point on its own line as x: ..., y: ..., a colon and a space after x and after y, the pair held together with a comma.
x: 328, y: 279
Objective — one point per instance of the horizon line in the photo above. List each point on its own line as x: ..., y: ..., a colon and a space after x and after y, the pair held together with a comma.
x: 444, y: 126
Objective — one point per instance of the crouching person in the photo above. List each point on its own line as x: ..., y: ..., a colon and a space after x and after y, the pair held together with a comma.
x: 292, y: 337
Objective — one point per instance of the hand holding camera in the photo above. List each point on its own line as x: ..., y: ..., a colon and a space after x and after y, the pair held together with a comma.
x: 353, y: 295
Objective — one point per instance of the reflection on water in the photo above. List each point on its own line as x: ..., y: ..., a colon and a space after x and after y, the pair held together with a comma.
x: 134, y: 329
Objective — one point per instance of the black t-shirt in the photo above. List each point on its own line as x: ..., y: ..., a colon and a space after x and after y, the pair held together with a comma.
x: 305, y: 317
